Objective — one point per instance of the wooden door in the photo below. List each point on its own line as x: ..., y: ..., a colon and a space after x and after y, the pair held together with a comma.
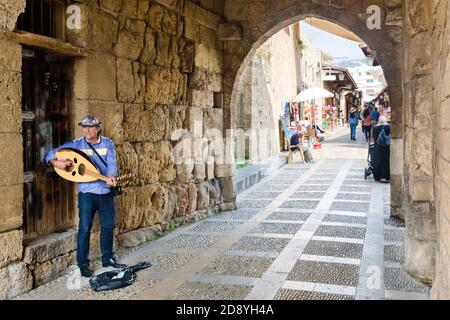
x: 49, y: 203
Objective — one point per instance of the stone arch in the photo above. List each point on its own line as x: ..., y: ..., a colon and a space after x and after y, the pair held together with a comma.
x: 385, y: 41
x: 273, y: 17
x: 260, y: 20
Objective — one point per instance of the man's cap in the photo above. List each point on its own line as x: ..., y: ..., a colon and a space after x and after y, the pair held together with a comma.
x: 89, y: 120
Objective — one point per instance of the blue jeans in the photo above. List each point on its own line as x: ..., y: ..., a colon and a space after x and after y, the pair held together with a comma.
x: 353, y: 130
x: 88, y: 204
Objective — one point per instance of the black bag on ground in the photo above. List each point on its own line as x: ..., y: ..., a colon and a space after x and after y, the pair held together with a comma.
x: 116, y: 279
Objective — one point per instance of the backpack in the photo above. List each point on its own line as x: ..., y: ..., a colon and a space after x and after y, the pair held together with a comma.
x: 384, y: 139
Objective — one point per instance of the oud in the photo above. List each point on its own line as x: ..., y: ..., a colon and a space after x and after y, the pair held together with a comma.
x: 81, y: 168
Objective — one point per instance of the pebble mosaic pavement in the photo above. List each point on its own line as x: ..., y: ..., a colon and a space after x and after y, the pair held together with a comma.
x: 325, y: 235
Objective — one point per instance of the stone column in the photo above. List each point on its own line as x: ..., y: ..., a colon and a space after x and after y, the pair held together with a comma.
x: 419, y: 144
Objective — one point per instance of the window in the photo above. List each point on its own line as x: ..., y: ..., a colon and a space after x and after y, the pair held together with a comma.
x: 370, y: 91
x: 370, y: 81
x: 43, y: 17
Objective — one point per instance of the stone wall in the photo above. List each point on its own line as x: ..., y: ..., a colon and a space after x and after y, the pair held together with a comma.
x: 420, y: 238
x: 157, y: 69
x: 441, y: 151
x: 268, y: 80
x: 16, y: 277
x: 154, y: 68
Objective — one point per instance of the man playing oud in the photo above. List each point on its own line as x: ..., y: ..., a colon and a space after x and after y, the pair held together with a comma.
x: 93, y: 196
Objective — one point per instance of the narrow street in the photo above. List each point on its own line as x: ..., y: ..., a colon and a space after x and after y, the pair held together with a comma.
x: 309, y: 231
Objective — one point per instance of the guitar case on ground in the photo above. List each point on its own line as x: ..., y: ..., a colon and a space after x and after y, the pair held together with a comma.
x: 116, y: 279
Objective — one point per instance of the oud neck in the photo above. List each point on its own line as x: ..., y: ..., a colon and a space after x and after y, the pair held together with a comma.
x: 98, y: 176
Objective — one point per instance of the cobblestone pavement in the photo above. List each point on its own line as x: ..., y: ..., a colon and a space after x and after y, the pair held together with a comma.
x: 309, y: 231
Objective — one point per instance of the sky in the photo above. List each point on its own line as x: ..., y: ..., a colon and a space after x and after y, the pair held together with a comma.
x: 336, y: 46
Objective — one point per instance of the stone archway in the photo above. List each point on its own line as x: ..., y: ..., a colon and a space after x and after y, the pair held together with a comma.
x: 272, y: 17
x: 406, y: 72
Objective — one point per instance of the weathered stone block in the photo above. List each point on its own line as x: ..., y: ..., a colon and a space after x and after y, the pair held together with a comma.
x: 215, y: 82
x: 129, y: 8
x: 199, y: 173
x: 202, y: 98
x: 16, y: 279
x: 144, y: 125
x: 11, y: 244
x: 186, y: 55
x: 216, y: 60
x: 127, y: 216
x: 228, y: 188
x: 191, y: 29
x: 125, y: 81
x: 131, y: 239
x: 127, y: 160
x: 51, y: 246
x: 143, y: 7
x: 397, y: 160
x: 421, y: 221
x: 210, y: 168
x: 207, y: 36
x: 11, y: 172
x: 192, y: 192
x: 169, y: 4
x: 184, y: 171
x: 229, y: 206
x: 195, y: 122
x: 111, y: 5
x: 49, y: 270
x: 9, y: 12
x: 200, y: 150
x: 177, y: 118
x: 11, y: 57
x: 148, y: 54
x: 443, y: 170
x: 163, y: 86
x: 229, y: 31
x: 421, y: 189
x: 215, y: 194
x: 131, y: 40
x: 189, y: 9
x: 202, y: 196
x: 212, y: 122
x: 418, y: 154
x: 169, y: 22
x: 202, y: 56
x: 198, y: 80
x: 155, y: 162
x: 10, y: 101
x: 102, y: 32
x: 95, y: 78
x: 420, y: 258
x: 163, y: 48
x: 11, y: 199
x: 151, y: 205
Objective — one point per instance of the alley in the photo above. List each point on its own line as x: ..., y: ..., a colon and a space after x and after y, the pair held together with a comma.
x: 309, y: 231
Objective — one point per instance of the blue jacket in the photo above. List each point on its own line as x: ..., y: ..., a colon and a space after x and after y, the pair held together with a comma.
x: 355, y: 118
x: 105, y: 149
